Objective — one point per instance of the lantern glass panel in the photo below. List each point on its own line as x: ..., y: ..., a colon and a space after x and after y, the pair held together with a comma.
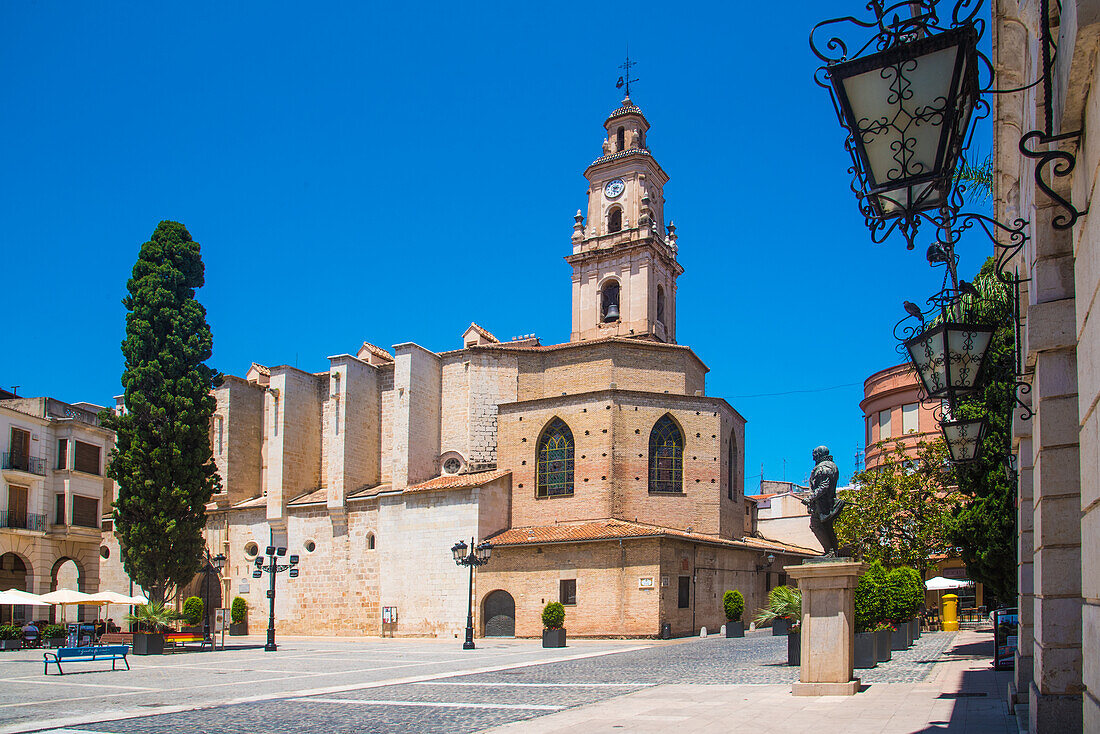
x: 967, y: 347
x: 458, y: 550
x: 483, y: 552
x: 926, y: 351
x: 963, y: 439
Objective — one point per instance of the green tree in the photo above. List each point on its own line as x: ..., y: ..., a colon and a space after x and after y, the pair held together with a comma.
x: 162, y: 459
x: 898, y: 511
x: 983, y: 526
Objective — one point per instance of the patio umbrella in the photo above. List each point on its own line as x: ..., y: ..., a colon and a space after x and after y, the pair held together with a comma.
x: 17, y: 597
x: 111, y: 597
x: 939, y: 583
x: 64, y: 597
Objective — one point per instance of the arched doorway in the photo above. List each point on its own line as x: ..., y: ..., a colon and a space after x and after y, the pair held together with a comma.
x: 66, y: 574
x: 14, y: 574
x: 500, y: 614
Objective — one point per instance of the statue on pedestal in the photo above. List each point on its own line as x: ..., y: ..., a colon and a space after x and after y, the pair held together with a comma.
x: 823, y: 505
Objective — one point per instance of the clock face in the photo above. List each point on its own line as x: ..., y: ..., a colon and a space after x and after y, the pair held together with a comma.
x: 614, y: 188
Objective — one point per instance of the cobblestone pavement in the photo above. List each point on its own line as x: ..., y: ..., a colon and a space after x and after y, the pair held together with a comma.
x: 528, y: 683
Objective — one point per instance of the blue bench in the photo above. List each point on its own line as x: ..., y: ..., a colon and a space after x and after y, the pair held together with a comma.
x: 84, y: 654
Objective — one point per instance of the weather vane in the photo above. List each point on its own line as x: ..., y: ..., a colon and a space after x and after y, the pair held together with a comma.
x: 624, y: 80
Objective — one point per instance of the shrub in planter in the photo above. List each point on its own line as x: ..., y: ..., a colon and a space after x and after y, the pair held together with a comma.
x: 882, y: 643
x: 734, y: 604
x: 11, y: 637
x: 192, y: 611
x: 784, y: 609
x: 238, y: 615
x: 553, y: 617
x: 238, y: 610
x: 868, y: 603
x: 54, y: 635
x: 152, y: 620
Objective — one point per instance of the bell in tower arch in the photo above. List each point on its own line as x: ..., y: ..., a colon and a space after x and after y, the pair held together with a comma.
x: 609, y: 302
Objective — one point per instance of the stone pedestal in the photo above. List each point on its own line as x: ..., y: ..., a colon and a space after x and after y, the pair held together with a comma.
x: 828, y: 626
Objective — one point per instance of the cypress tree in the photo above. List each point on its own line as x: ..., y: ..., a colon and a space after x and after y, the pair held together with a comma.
x: 162, y: 460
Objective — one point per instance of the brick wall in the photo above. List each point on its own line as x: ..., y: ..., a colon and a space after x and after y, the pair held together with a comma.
x: 611, y: 430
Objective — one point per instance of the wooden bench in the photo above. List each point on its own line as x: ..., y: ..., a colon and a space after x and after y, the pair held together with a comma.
x: 182, y: 638
x: 84, y: 654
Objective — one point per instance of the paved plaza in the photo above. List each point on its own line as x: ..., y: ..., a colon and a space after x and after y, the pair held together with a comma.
x: 371, y: 685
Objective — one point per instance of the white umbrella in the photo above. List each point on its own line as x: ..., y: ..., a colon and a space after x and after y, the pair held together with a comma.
x: 136, y: 599
x: 939, y: 583
x: 64, y: 597
x: 17, y: 597
x: 110, y: 597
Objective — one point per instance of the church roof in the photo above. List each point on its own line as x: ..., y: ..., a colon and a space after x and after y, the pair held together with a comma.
x: 459, y: 481
x: 260, y: 368
x: 376, y: 351
x: 612, y: 529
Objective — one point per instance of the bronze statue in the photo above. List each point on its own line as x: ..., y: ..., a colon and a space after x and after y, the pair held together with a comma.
x: 823, y: 505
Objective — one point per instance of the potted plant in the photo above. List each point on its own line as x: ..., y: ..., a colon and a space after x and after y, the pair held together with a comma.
x: 897, y: 600
x: 238, y: 616
x: 883, y: 634
x: 192, y: 614
x: 11, y: 637
x: 734, y: 604
x: 152, y: 620
x: 785, y: 603
x: 867, y: 615
x: 53, y: 635
x: 553, y: 617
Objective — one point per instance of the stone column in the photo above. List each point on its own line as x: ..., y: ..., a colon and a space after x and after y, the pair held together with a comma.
x: 828, y: 626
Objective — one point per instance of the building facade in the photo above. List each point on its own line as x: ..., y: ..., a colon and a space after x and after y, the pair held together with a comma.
x: 1057, y: 671
x: 600, y: 470
x: 892, y: 412
x: 54, y: 484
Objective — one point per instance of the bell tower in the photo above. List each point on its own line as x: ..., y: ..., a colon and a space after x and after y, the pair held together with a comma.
x: 624, y: 259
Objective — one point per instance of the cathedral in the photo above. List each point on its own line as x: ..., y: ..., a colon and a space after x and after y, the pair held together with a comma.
x: 600, y: 471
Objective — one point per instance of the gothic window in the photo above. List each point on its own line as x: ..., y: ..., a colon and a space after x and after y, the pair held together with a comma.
x: 614, y: 220
x: 620, y: 138
x: 666, y: 457
x: 370, y: 541
x: 660, y: 304
x: 609, y: 301
x: 555, y: 460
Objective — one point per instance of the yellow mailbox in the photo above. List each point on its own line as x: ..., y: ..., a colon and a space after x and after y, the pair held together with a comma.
x: 950, y: 605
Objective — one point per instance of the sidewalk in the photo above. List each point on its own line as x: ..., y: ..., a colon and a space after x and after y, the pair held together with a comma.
x: 962, y: 694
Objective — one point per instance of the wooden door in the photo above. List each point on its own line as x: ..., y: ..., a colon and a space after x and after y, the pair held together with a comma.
x: 17, y: 507
x: 20, y: 449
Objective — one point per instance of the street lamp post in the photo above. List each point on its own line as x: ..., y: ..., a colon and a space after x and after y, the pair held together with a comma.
x: 273, y: 567
x: 211, y: 565
x: 478, y: 556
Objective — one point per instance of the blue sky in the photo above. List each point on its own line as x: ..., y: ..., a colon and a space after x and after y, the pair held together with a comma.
x: 390, y: 173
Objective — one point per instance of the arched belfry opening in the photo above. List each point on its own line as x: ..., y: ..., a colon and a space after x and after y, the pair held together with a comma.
x: 620, y: 138
x: 609, y: 301
x: 661, y: 305
x: 614, y: 220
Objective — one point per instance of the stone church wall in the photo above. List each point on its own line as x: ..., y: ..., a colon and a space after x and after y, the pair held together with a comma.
x: 388, y: 397
x: 416, y: 425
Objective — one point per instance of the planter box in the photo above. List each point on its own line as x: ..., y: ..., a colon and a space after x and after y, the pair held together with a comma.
x: 794, y: 648
x: 882, y: 646
x: 238, y: 628
x: 899, y: 637
x: 553, y: 638
x: 866, y: 657
x: 735, y: 629
x: 914, y: 626
x: 146, y: 643
x: 781, y: 626
x: 11, y: 644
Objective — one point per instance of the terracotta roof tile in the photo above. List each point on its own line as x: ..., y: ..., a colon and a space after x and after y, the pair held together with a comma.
x: 611, y: 529
x: 260, y: 368
x: 459, y: 481
x: 376, y: 351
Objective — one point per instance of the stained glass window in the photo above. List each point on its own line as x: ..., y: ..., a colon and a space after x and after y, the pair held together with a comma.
x: 666, y: 457
x: 555, y: 460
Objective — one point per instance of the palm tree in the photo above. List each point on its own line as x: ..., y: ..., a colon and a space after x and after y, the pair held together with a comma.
x: 783, y: 603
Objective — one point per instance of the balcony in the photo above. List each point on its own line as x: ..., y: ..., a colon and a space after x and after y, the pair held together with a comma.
x: 22, y: 520
x: 23, y: 462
